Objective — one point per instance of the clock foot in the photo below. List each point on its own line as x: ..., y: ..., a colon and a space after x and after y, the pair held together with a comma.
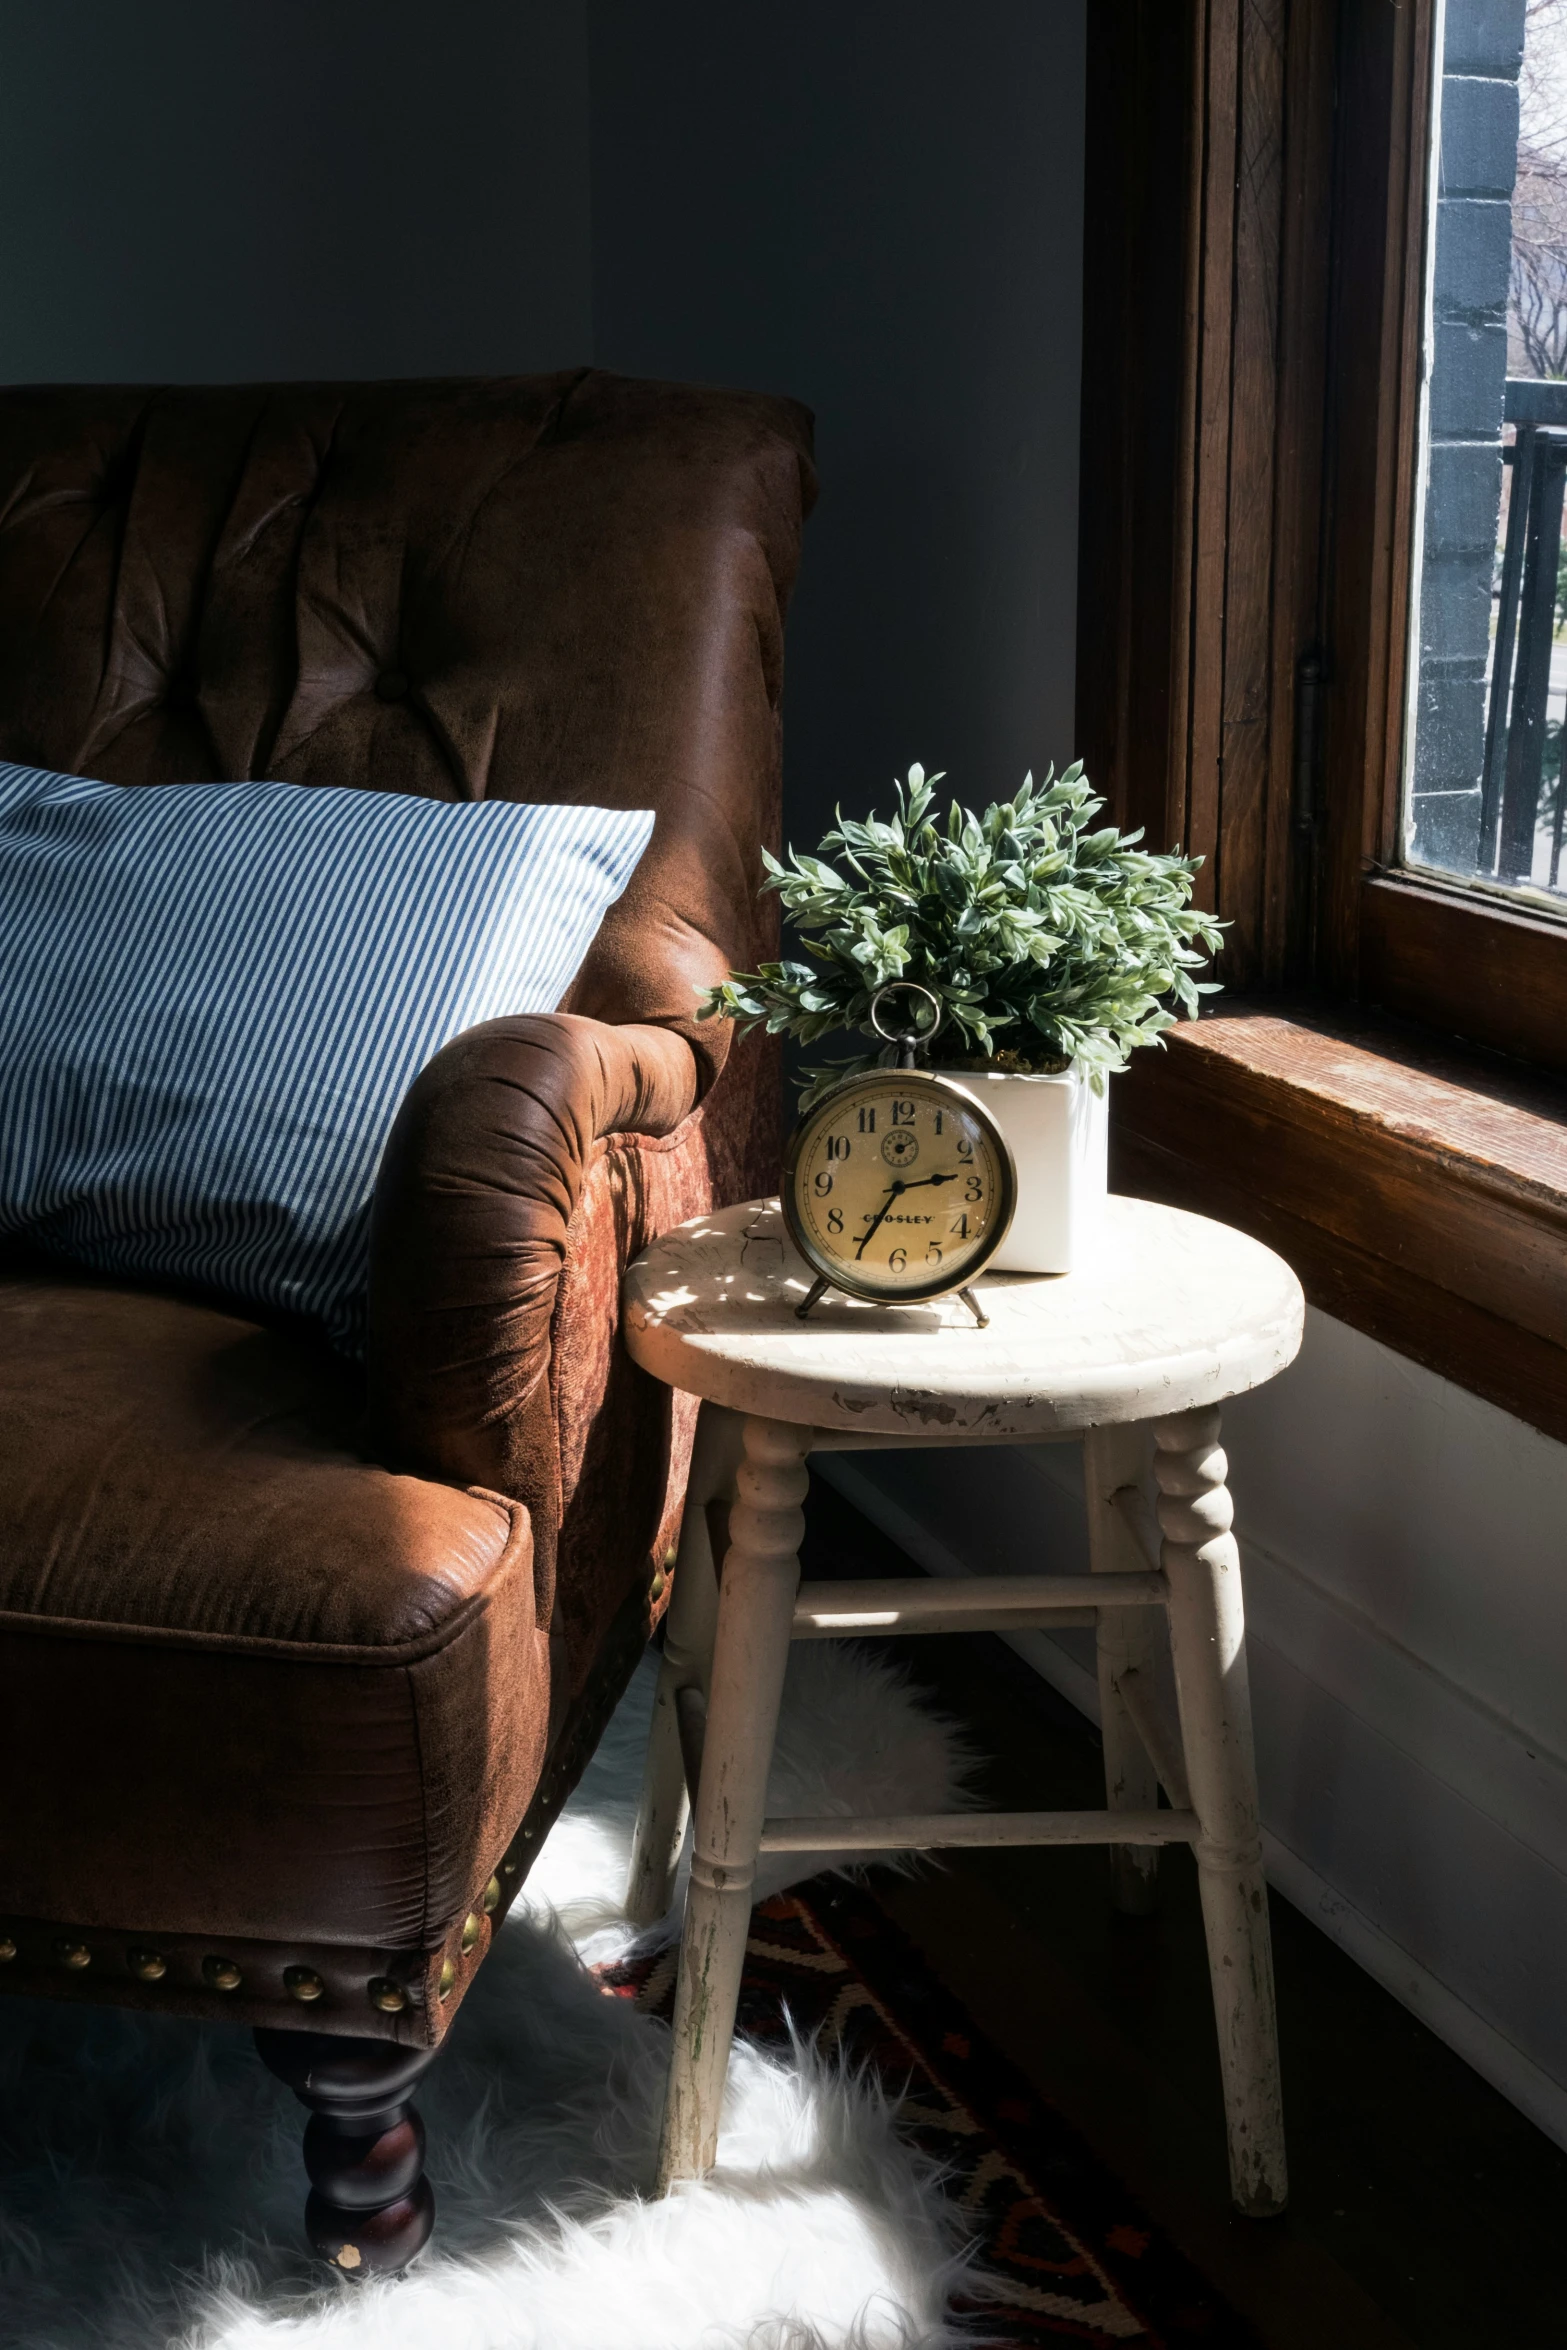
x: 818, y: 1286
x: 975, y: 1308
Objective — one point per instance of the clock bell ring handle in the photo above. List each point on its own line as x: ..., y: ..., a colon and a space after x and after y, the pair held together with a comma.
x: 910, y: 1041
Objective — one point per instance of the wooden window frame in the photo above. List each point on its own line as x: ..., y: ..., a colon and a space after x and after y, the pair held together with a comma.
x: 1254, y: 290
x: 1445, y: 955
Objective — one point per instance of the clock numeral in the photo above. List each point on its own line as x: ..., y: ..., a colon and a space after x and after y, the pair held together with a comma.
x: 903, y: 1113
x: 941, y: 1121
x: 965, y: 1147
x: 959, y: 1225
x: 898, y: 1260
x: 822, y: 1185
x: 837, y: 1146
x: 835, y: 1219
x: 867, y: 1121
x: 933, y: 1252
x: 974, y: 1188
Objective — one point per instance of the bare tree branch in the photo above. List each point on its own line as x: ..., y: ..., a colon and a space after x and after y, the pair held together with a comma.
x: 1537, y: 293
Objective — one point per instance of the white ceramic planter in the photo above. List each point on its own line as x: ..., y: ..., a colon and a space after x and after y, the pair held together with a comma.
x: 1059, y: 1130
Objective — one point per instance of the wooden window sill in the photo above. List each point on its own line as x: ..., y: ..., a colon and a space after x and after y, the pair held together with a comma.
x: 1420, y: 1196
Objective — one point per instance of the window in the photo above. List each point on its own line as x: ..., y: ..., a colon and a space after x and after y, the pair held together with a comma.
x: 1325, y: 388
x: 1483, y: 800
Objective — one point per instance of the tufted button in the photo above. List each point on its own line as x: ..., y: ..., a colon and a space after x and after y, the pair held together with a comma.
x: 183, y: 693
x: 7, y: 1949
x: 73, y: 1954
x: 387, y: 1995
x: 221, y: 1974
x: 391, y: 685
x: 148, y: 1966
x: 302, y: 1983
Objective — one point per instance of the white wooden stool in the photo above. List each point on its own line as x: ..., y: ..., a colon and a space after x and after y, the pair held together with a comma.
x: 1173, y: 1315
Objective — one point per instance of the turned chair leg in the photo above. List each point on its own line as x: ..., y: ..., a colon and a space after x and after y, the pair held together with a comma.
x: 1113, y: 1462
x: 1208, y: 1643
x: 370, y: 2207
x: 755, y: 1616
x: 689, y: 1631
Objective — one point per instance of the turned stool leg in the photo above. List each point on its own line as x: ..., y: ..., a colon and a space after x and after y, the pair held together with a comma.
x: 755, y: 1616
x: 1208, y: 1641
x: 1113, y: 1460
x: 689, y: 1630
x: 370, y: 2207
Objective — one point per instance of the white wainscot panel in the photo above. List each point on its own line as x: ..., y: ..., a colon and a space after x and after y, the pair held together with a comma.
x: 1441, y: 1518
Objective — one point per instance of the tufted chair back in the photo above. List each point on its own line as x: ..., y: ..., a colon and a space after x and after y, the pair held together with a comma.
x: 505, y: 588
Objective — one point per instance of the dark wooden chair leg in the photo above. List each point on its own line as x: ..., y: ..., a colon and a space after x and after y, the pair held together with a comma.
x: 370, y: 2207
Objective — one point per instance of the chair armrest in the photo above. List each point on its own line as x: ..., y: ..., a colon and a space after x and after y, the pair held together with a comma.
x: 468, y: 1238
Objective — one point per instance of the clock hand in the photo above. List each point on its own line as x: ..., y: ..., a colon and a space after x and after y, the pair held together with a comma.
x: 896, y: 1191
x: 897, y: 1186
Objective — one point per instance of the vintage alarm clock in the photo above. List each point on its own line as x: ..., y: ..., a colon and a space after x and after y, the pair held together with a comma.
x: 898, y: 1184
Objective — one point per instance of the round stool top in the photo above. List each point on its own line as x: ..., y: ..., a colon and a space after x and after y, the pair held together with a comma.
x: 1171, y: 1311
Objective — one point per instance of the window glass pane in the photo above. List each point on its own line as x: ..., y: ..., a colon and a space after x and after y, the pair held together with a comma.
x: 1483, y: 792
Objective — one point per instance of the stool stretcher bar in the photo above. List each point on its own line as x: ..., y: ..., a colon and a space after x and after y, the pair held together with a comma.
x: 909, y: 1604
x: 934, y: 1831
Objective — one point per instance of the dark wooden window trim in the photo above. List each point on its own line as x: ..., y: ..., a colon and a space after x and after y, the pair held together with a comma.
x: 1254, y: 281
x: 1419, y: 1198
x: 1490, y: 975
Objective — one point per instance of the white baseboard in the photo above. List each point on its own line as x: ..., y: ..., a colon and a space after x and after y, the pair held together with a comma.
x: 1472, y: 2036
x: 1489, y: 2052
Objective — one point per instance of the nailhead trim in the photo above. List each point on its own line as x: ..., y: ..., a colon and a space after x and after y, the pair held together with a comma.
x: 301, y: 1984
x: 386, y: 1993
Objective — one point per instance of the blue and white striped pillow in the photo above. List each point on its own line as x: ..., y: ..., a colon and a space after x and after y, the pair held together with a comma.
x: 213, y: 998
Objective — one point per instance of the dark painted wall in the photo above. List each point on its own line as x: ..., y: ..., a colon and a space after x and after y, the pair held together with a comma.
x: 878, y: 208
x: 203, y: 190
x: 875, y: 206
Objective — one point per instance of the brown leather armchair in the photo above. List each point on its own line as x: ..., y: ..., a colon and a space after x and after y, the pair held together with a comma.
x: 297, y: 1664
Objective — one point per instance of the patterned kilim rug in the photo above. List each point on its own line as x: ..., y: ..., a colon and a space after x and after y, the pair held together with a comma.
x: 1067, y: 2253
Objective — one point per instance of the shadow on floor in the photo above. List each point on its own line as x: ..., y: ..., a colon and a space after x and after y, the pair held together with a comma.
x: 1426, y: 2211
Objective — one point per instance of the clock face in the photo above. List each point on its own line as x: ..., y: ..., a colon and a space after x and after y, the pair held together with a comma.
x: 898, y: 1186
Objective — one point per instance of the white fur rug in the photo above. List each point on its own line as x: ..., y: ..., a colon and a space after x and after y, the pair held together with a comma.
x: 151, y: 2186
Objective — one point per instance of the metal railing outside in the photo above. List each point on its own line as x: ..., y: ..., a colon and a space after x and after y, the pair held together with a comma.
x: 1522, y: 796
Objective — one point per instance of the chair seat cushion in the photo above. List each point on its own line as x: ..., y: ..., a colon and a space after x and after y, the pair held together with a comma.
x: 250, y: 1683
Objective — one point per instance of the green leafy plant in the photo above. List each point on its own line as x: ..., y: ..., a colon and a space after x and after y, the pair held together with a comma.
x: 1044, y: 941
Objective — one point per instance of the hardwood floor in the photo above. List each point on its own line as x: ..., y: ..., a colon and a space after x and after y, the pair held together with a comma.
x: 1426, y: 2212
